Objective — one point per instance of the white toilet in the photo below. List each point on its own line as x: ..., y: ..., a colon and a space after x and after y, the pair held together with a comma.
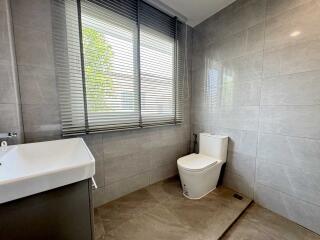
x: 199, y: 173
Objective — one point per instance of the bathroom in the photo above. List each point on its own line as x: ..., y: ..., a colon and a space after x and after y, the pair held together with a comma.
x: 159, y: 119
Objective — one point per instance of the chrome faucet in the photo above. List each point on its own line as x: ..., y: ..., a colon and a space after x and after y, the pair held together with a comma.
x: 7, y: 136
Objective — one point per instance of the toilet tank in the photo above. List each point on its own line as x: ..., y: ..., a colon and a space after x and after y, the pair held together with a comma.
x: 215, y: 146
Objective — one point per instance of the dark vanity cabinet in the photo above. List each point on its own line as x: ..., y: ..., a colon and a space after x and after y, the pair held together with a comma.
x: 64, y: 213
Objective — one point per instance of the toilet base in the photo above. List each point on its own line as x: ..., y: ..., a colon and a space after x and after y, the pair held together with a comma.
x: 197, y: 184
x: 199, y: 197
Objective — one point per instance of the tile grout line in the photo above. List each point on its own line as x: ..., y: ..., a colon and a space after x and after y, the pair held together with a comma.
x: 260, y: 97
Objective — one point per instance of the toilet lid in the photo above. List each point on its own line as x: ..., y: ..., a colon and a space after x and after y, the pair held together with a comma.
x: 196, y: 162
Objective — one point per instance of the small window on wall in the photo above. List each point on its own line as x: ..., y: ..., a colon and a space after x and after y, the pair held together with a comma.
x: 118, y: 65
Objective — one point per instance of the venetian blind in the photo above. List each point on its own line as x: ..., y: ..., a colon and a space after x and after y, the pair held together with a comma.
x: 158, y: 66
x: 117, y: 65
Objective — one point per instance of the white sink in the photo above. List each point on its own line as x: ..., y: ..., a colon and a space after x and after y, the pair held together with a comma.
x: 32, y: 168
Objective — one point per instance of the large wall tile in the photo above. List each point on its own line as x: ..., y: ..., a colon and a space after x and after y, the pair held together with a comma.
x: 199, y: 77
x: 255, y: 38
x: 231, y: 47
x: 298, y: 121
x: 205, y: 116
x: 35, y: 14
x: 244, y: 142
x: 206, y: 88
x: 4, y: 36
x: 240, y: 93
x: 9, y: 105
x: 300, y: 153
x: 37, y: 85
x: 248, y: 13
x: 164, y: 155
x: 242, y: 165
x: 245, y: 68
x: 304, y: 213
x: 301, y: 57
x: 292, y: 26
x: 294, y: 89
x: 33, y: 48
x: 114, y: 144
x: 41, y: 121
x: 124, y: 166
x: 170, y: 136
x: 275, y: 7
x: 242, y: 118
x: 238, y: 183
x: 9, y: 119
x: 2, y: 4
x: 271, y: 63
x: 198, y: 128
x: 237, y: 17
x: 126, y: 185
x: 293, y: 181
x: 205, y: 35
x: 118, y: 189
x: 7, y: 86
x: 163, y: 172
x: 196, y: 39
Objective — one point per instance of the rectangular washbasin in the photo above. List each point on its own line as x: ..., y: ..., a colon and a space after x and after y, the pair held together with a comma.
x: 32, y: 168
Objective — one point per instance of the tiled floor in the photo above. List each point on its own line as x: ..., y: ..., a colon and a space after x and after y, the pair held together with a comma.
x: 161, y: 212
x: 261, y: 224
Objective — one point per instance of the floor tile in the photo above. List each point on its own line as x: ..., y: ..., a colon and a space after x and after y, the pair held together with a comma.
x: 261, y: 224
x: 160, y: 211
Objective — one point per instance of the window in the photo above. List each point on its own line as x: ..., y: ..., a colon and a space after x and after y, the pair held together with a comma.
x: 111, y: 78
x: 117, y: 65
x: 157, y: 76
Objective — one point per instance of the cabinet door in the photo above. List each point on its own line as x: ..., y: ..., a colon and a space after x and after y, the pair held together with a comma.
x: 63, y: 213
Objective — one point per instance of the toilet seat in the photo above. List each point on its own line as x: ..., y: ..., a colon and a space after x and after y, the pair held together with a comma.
x: 196, y: 162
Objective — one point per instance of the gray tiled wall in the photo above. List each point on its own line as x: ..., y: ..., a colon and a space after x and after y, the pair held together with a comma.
x: 265, y: 96
x: 10, y: 117
x: 34, y: 52
x: 125, y: 161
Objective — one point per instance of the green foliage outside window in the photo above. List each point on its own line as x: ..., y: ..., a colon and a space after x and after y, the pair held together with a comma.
x: 97, y: 61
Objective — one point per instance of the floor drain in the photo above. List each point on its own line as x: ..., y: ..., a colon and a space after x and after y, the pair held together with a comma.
x: 237, y: 196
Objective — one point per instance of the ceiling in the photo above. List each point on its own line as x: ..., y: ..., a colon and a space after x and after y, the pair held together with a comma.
x: 196, y: 11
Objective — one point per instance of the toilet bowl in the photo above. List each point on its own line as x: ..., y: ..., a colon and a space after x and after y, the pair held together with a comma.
x: 199, y: 173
